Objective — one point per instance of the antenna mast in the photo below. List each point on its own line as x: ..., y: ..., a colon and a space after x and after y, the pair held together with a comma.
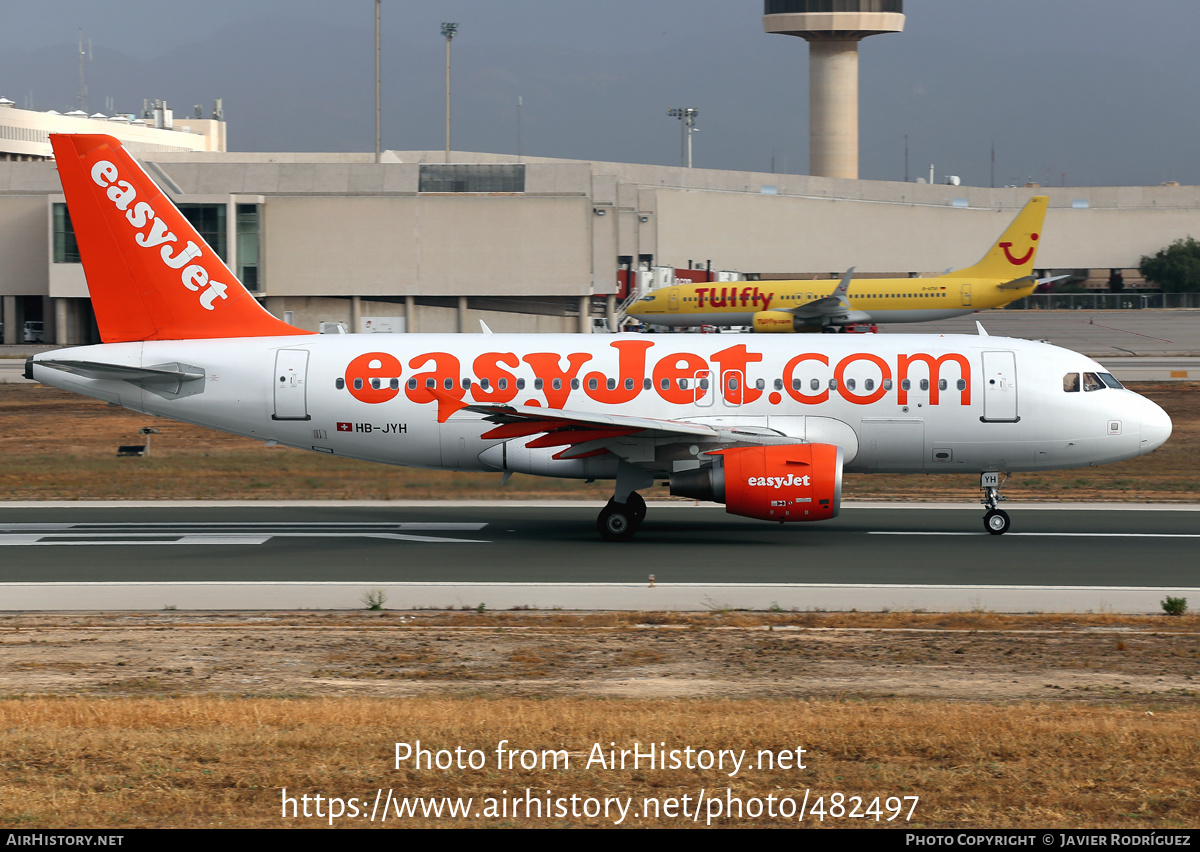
x: 82, y: 96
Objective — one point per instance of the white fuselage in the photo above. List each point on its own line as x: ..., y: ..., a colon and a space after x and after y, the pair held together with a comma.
x: 900, y: 403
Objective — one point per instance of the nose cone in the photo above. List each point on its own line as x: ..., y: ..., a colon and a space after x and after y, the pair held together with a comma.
x: 1156, y: 426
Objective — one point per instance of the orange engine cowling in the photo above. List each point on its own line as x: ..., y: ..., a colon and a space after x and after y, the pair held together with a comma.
x: 788, y: 482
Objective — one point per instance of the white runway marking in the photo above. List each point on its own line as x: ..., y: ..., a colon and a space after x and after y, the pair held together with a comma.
x: 238, y: 533
x: 1043, y: 534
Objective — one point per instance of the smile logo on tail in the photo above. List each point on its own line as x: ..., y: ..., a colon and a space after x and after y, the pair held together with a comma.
x: 1018, y: 261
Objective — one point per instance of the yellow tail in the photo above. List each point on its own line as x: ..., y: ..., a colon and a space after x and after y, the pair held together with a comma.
x: 1013, y: 255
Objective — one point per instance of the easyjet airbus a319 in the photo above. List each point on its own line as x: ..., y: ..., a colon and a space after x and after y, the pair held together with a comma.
x: 1004, y: 275
x: 766, y: 425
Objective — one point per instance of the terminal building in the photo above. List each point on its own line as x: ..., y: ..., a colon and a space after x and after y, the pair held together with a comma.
x: 415, y: 244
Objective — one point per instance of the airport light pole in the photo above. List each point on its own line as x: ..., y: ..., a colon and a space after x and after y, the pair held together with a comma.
x: 377, y: 132
x: 687, y: 118
x: 448, y: 30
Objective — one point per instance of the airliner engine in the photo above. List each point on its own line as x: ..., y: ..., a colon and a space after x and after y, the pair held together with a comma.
x: 789, y: 482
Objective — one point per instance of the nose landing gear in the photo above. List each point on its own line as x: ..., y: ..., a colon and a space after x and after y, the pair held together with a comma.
x: 995, y: 520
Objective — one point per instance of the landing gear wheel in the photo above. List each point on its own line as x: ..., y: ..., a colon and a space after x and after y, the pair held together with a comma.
x: 996, y: 522
x: 616, y: 522
x: 637, y: 507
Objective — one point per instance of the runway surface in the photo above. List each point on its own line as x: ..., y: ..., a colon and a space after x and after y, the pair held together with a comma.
x: 291, y: 556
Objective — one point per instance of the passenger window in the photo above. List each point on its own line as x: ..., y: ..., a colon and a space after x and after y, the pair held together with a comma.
x: 796, y: 384
x: 394, y: 384
x: 887, y: 384
x: 448, y: 384
x: 483, y: 383
x: 778, y: 384
x: 924, y: 384
x: 537, y: 384
x: 412, y: 384
x: 431, y: 383
x: 905, y: 385
x: 942, y: 384
x: 502, y: 384
x: 647, y: 384
x: 611, y: 384
x: 629, y: 384
x: 814, y: 384
x: 849, y: 384
x: 591, y: 384
x: 961, y: 384
x: 556, y: 384
x: 340, y: 384
x: 683, y: 384
x: 1071, y: 383
x: 466, y: 383
x: 375, y: 384
x: 574, y: 384
x: 869, y: 384
x: 833, y: 384
x: 760, y: 384
x: 520, y: 384
x: 358, y: 384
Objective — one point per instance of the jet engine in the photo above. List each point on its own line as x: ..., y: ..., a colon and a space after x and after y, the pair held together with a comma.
x: 784, y: 482
x: 780, y: 322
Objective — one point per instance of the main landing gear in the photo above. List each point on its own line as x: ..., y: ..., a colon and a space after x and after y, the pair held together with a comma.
x: 619, y: 521
x: 624, y: 513
x: 995, y: 521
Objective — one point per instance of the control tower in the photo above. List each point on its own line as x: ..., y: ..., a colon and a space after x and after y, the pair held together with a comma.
x: 833, y: 29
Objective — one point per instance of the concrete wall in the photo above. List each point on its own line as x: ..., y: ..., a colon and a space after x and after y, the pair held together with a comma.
x: 767, y: 233
x: 310, y: 312
x: 428, y: 245
x: 24, y: 245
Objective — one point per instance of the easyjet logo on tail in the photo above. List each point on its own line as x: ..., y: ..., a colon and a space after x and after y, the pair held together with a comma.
x: 141, y: 215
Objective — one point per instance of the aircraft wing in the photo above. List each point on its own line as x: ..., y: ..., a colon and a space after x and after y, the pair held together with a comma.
x: 584, y: 434
x: 1029, y: 280
x: 837, y: 304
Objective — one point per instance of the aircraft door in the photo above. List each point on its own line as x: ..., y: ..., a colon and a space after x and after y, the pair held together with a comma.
x: 291, y: 377
x: 673, y: 299
x: 966, y: 295
x: 702, y: 389
x: 1000, y: 387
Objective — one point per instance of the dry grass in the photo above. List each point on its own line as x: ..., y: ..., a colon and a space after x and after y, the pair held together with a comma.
x: 60, y: 446
x: 195, y: 762
x: 203, y: 719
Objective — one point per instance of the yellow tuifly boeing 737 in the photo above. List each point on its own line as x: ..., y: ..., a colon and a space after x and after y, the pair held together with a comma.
x: 1004, y: 275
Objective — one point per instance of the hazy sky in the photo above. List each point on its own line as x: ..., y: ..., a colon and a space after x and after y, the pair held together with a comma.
x: 1092, y: 92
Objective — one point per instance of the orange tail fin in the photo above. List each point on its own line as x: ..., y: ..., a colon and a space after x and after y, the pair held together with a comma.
x: 150, y: 274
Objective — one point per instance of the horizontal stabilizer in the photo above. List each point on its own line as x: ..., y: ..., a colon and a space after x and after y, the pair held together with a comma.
x: 165, y: 380
x: 97, y: 370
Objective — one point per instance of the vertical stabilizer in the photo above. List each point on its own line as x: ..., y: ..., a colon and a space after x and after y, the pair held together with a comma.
x: 150, y: 274
x: 1013, y: 255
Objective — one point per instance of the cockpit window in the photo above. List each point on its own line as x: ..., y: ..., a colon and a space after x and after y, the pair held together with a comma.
x: 1071, y: 382
x: 1091, y: 382
x: 1110, y: 380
